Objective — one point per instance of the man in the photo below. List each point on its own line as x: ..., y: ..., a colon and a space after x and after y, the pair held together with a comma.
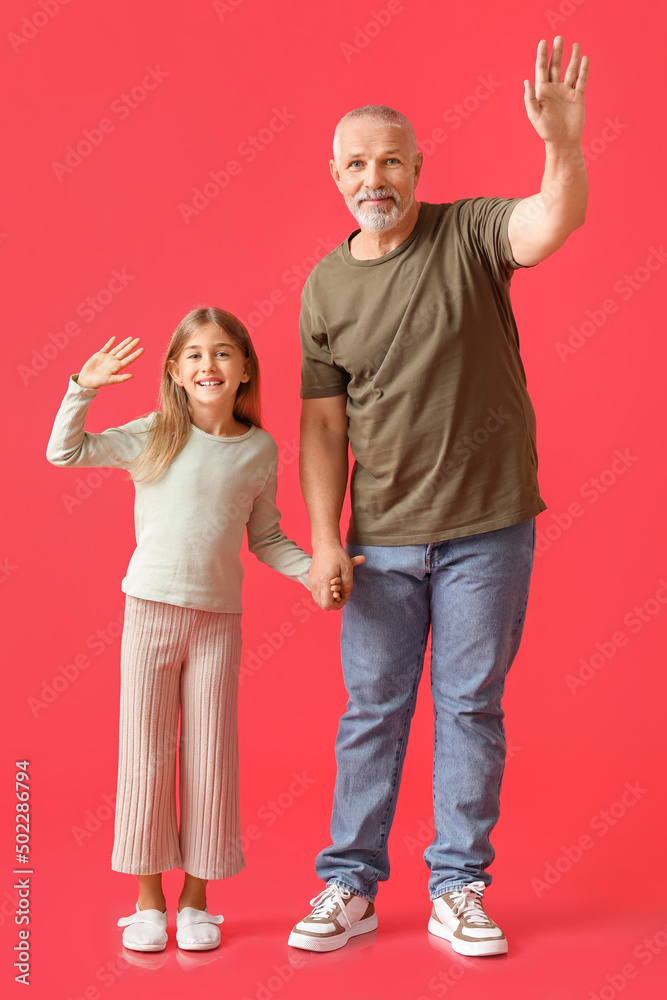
x: 410, y: 351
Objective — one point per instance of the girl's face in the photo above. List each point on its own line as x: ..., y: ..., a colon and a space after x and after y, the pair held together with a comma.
x: 210, y: 368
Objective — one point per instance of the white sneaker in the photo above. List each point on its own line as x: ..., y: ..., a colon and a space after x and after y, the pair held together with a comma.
x: 460, y: 918
x: 337, y: 916
x: 145, y: 930
x: 196, y: 930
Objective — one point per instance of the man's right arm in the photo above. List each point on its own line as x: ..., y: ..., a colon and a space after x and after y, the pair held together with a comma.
x: 323, y: 469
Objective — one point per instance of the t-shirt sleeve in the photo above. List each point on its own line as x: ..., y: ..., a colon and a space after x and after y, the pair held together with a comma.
x: 320, y: 376
x: 483, y: 227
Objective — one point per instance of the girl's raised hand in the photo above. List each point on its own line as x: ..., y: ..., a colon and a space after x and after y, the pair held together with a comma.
x: 106, y: 364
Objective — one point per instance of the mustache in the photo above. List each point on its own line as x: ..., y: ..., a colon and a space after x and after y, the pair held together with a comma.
x: 383, y: 192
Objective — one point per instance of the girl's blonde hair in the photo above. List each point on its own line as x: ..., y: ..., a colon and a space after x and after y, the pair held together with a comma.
x: 171, y: 426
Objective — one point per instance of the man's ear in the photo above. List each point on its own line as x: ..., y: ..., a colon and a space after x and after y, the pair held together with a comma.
x: 419, y: 162
x: 335, y: 172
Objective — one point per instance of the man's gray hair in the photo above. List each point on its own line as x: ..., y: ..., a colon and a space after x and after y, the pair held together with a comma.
x: 378, y: 115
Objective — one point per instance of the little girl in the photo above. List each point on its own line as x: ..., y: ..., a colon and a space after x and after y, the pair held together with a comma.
x: 204, y: 471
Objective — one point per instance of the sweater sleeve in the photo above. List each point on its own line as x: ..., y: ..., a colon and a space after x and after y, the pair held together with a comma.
x: 266, y: 539
x: 71, y: 445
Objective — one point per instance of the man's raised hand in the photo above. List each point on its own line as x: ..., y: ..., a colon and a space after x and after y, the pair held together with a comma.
x: 555, y: 108
x: 106, y: 365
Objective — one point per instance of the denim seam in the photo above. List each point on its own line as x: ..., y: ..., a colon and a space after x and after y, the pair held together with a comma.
x: 520, y: 621
x: 402, y: 746
x: 350, y: 888
x: 434, y: 783
x: 517, y: 628
x: 449, y: 888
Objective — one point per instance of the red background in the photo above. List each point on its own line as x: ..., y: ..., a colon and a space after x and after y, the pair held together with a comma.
x: 572, y: 749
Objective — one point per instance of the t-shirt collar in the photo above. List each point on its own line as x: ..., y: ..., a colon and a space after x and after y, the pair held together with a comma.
x: 347, y: 255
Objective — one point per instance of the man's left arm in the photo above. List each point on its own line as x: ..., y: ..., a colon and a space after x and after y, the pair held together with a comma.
x: 541, y: 223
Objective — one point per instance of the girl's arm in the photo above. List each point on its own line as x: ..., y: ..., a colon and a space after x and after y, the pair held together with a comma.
x: 70, y: 444
x: 268, y: 541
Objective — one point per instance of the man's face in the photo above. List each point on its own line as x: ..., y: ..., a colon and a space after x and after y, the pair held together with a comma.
x: 376, y: 173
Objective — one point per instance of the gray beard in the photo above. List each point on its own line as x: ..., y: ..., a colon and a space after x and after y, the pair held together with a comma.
x: 376, y: 218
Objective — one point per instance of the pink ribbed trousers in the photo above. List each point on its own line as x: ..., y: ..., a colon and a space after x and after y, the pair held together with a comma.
x: 173, y: 659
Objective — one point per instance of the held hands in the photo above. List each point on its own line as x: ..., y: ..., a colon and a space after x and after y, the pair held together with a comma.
x: 106, y: 364
x: 330, y: 576
x: 337, y: 588
x: 556, y: 109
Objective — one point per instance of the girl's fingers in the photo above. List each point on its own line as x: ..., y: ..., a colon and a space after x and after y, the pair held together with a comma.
x: 107, y: 346
x: 126, y: 345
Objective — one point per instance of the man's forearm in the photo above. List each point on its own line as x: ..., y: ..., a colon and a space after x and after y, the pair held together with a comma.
x: 541, y: 224
x: 323, y: 469
x: 564, y: 190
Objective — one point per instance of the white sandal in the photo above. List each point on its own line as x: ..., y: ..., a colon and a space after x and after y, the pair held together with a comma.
x: 196, y: 930
x: 145, y: 930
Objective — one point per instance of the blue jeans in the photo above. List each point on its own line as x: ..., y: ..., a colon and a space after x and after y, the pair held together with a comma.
x: 472, y: 594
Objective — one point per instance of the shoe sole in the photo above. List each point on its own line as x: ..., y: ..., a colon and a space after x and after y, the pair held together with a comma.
x: 472, y: 949
x: 313, y: 943
x: 197, y: 947
x: 145, y: 947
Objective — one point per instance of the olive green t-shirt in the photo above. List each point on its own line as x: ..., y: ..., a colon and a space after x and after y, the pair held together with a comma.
x: 424, y: 344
